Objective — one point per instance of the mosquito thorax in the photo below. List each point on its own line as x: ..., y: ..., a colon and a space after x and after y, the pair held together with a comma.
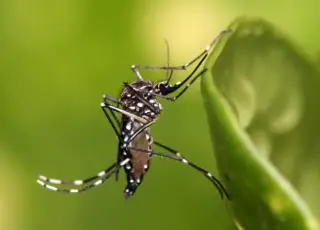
x: 140, y: 98
x: 160, y: 87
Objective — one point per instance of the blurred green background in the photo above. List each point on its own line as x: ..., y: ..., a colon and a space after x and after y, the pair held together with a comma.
x: 57, y: 58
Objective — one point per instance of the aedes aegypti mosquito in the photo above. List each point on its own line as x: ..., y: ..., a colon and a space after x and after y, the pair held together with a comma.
x: 139, y: 109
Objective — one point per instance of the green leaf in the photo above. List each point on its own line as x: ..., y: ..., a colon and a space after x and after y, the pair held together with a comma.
x: 253, y: 92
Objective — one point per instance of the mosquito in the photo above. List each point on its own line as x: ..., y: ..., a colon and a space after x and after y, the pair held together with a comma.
x: 139, y: 108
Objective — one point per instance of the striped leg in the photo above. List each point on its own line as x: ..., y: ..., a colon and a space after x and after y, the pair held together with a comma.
x: 207, y: 174
x: 113, y: 120
x: 96, y: 180
x: 105, y: 105
x: 135, y: 68
x: 175, y: 155
x: 116, y: 120
x: 113, y: 109
x: 174, y: 98
x: 164, y: 87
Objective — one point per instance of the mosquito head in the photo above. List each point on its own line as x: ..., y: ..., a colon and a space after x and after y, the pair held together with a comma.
x: 163, y: 88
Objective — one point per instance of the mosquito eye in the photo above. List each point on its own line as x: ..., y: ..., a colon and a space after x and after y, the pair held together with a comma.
x: 163, y: 88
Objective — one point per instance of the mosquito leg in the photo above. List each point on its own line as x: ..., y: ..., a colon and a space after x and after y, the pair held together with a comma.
x: 165, y: 88
x: 169, y: 98
x: 126, y: 113
x: 188, y: 85
x: 208, y: 175
x: 99, y: 179
x: 178, y: 157
x: 141, y: 129
x: 169, y: 72
x: 112, y: 99
x: 113, y: 120
x: 107, y: 107
x: 114, y: 127
x: 186, y: 65
x: 44, y: 179
x: 145, y: 123
x: 172, y: 88
x: 168, y: 89
x: 112, y: 109
x: 46, y: 182
x: 136, y: 72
